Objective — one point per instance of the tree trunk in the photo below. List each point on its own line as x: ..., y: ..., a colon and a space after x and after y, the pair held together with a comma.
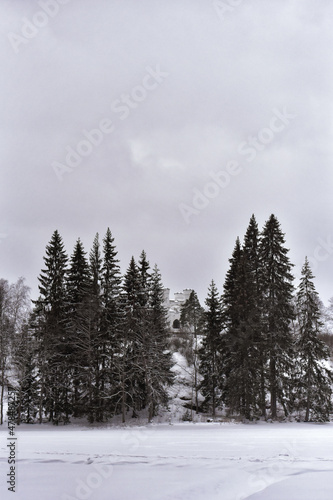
x: 19, y: 408
x: 196, y: 372
x: 262, y: 388
x: 40, y: 409
x: 123, y: 398
x: 273, y: 389
x: 2, y: 391
x: 308, y: 399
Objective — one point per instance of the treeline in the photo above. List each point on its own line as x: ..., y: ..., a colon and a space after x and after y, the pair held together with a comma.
x: 96, y: 342
x: 261, y: 350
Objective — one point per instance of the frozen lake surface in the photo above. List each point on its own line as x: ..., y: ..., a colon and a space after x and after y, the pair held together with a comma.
x: 183, y: 461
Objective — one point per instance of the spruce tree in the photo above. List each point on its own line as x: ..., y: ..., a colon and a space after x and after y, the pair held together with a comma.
x: 86, y: 362
x: 93, y: 331
x: 138, y: 289
x: 110, y: 324
x: 240, y: 360
x: 78, y: 291
x: 146, y: 359
x: 141, y: 380
x: 38, y: 326
x: 314, y: 389
x: 210, y: 351
x: 78, y: 278
x: 254, y: 310
x: 110, y: 277
x: 51, y: 334
x: 230, y: 377
x: 157, y: 355
x: 132, y: 340
x: 278, y: 312
x: 95, y: 264
x: 230, y: 290
x: 144, y: 267
x: 52, y: 286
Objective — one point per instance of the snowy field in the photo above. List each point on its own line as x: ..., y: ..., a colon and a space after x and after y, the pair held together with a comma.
x: 183, y: 461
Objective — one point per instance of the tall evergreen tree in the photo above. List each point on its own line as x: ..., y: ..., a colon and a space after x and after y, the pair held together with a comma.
x: 230, y: 289
x: 254, y: 312
x: 314, y: 378
x: 132, y: 340
x: 157, y: 356
x: 278, y: 312
x: 210, y: 351
x: 138, y: 288
x: 52, y: 286
x: 110, y: 323
x: 141, y: 380
x: 144, y: 267
x: 78, y: 295
x: 146, y: 360
x: 93, y: 331
x: 86, y: 364
x: 240, y: 319
x: 78, y: 278
x: 95, y: 263
x: 230, y: 297
x: 38, y: 326
x: 51, y: 334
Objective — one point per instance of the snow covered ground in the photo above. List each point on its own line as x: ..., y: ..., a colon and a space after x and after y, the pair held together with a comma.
x: 209, y: 461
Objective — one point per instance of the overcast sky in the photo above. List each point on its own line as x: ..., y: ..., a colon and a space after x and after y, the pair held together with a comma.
x: 207, y: 112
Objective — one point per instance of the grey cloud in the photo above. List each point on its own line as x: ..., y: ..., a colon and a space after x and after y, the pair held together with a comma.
x: 224, y: 80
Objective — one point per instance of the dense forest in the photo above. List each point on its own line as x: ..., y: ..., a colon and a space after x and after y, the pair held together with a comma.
x: 97, y: 343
